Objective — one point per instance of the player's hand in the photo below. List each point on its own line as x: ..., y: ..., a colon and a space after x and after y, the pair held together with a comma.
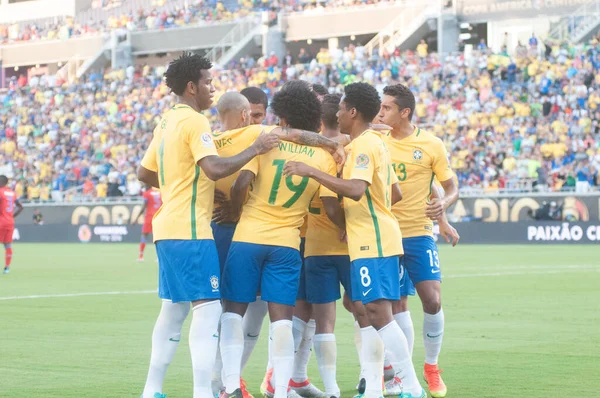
x: 448, y: 232
x: 435, y: 209
x: 339, y: 155
x: 265, y: 142
x: 220, y: 197
x: 380, y: 127
x: 343, y: 237
x: 224, y: 214
x: 296, y: 169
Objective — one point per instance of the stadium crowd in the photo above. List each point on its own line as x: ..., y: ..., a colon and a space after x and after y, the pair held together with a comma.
x: 530, y: 120
x: 159, y: 15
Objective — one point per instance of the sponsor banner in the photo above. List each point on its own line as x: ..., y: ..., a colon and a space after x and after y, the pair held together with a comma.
x: 486, y: 208
x: 66, y: 233
x: 534, y: 232
x: 507, y: 8
x: 525, y: 208
x: 93, y: 214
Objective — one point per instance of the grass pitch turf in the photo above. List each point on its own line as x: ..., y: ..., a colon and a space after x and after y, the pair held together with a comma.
x: 520, y: 321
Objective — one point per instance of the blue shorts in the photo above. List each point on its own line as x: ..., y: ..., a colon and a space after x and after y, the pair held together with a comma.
x: 323, y: 277
x: 275, y: 269
x: 188, y: 270
x: 406, y: 286
x: 302, y: 284
x: 375, y: 279
x: 421, y: 259
x: 223, y: 234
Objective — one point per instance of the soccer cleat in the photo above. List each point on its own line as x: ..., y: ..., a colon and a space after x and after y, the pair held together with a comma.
x: 140, y: 259
x: 156, y: 395
x: 266, y: 383
x: 436, y: 385
x: 361, y: 386
x: 409, y: 395
x: 245, y: 393
x: 236, y: 394
x: 363, y: 395
x: 307, y: 390
x: 388, y: 373
x: 393, y: 387
x: 6, y: 270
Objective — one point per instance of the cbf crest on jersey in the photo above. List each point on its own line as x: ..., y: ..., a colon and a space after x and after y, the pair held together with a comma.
x: 214, y: 283
x: 417, y: 155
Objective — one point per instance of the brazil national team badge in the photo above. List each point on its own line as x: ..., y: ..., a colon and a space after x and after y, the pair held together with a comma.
x: 206, y: 139
x: 214, y: 283
x: 362, y: 161
x: 417, y: 155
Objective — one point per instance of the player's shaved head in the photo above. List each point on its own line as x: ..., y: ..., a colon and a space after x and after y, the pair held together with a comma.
x: 3, y: 180
x: 232, y: 102
x: 234, y: 110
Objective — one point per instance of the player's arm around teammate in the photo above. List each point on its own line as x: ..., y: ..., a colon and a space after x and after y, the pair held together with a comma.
x: 374, y: 238
x: 182, y: 161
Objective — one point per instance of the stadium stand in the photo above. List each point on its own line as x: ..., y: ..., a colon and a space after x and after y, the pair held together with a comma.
x: 527, y: 121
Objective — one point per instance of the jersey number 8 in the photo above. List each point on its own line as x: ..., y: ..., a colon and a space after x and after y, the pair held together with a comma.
x: 297, y: 189
x: 365, y: 279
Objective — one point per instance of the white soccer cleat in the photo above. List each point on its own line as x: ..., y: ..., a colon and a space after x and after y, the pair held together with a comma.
x: 307, y: 390
x: 393, y: 387
x: 293, y: 394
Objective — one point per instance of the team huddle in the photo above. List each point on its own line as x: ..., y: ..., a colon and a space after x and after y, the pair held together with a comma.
x: 273, y: 219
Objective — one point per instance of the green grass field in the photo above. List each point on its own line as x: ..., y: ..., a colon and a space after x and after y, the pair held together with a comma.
x: 520, y: 321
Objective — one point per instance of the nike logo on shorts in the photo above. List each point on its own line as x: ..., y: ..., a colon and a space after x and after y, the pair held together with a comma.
x: 367, y: 292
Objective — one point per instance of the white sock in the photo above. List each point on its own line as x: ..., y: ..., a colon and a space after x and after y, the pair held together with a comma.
x: 252, y: 323
x: 270, y: 350
x: 232, y: 347
x: 433, y: 333
x: 282, y: 356
x: 165, y: 339
x: 217, y: 378
x: 204, y: 340
x: 405, y: 322
x: 372, y: 355
x: 358, y: 344
x: 397, y: 349
x: 303, y: 349
x: 326, y: 352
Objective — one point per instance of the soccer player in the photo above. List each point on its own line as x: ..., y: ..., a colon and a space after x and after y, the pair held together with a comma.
x: 234, y: 113
x: 374, y: 238
x: 417, y: 157
x: 152, y: 203
x: 326, y: 262
x: 8, y: 203
x: 182, y: 161
x: 265, y: 248
x: 258, y: 104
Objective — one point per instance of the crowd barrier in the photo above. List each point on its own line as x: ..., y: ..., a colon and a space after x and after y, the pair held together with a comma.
x: 501, y: 208
x: 470, y: 232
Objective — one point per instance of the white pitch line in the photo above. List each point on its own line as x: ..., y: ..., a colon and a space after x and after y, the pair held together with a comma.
x: 39, y: 296
x: 535, y: 271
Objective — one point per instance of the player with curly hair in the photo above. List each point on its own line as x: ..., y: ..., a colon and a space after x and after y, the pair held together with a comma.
x: 265, y: 247
x: 369, y: 190
x: 182, y: 146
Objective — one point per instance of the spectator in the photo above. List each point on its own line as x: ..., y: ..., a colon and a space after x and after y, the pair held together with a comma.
x: 38, y: 219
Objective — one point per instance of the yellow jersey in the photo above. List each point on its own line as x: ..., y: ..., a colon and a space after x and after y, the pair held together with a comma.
x: 416, y: 160
x: 180, y: 140
x: 322, y: 235
x: 231, y: 143
x: 277, y: 204
x: 372, y: 229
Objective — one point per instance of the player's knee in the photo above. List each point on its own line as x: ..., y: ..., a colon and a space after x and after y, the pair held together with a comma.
x: 432, y: 304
